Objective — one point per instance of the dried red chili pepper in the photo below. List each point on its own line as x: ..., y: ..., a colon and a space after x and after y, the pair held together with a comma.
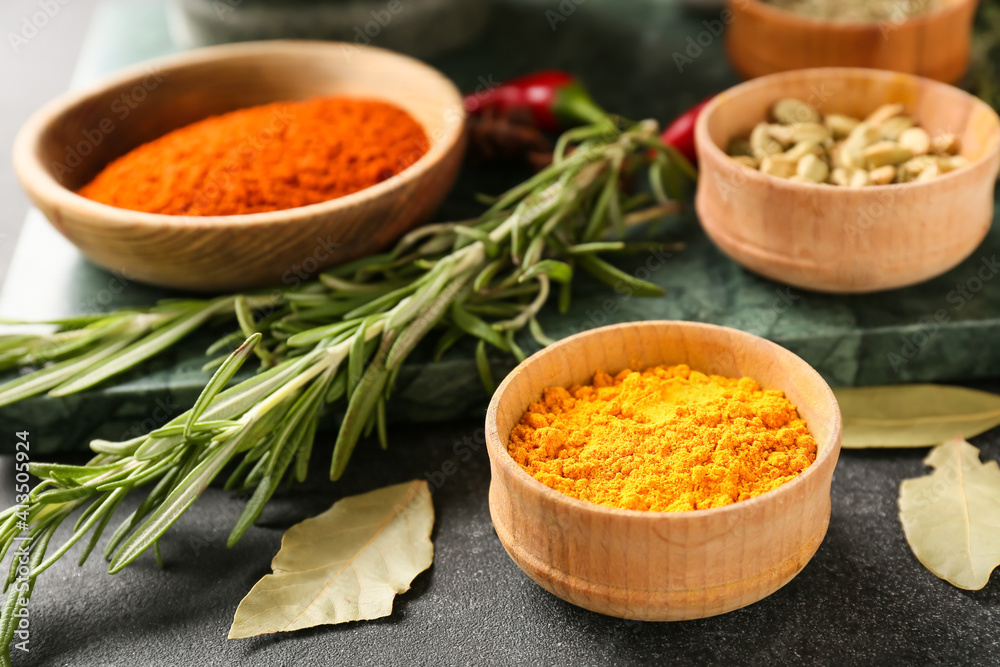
x: 557, y: 100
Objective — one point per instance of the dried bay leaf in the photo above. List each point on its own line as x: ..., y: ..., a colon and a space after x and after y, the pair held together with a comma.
x: 951, y: 517
x: 347, y: 564
x: 914, y: 415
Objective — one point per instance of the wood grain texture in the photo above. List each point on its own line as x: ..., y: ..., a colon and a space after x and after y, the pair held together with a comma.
x: 660, y: 566
x: 837, y: 239
x: 240, y: 251
x: 762, y: 40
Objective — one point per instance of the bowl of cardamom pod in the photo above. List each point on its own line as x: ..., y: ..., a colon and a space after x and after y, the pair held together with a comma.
x: 846, y: 180
x: 662, y: 470
x: 931, y: 38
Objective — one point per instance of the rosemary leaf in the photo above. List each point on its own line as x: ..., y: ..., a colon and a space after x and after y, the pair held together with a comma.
x: 108, y: 503
x: 334, y: 343
x: 617, y: 278
x: 220, y: 380
x: 173, y: 506
x: 47, y: 378
x: 538, y: 334
x: 448, y: 338
x: 357, y: 357
x: 474, y: 326
x: 514, y: 347
x: 559, y: 271
x: 106, y: 515
x: 483, y: 365
x: 245, y: 318
x: 361, y: 403
x: 143, y: 349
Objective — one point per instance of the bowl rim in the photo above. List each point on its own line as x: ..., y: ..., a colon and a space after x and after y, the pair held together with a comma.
x: 703, y: 140
x: 38, y: 181
x: 777, y: 14
x: 497, y: 448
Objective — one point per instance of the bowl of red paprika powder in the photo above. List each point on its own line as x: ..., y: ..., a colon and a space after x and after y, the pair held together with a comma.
x: 668, y: 563
x: 245, y: 165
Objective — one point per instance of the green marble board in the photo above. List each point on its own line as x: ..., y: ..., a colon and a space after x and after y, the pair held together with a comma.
x: 942, y: 330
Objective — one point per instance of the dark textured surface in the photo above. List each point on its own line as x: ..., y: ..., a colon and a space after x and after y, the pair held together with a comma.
x: 863, y: 599
x: 942, y: 330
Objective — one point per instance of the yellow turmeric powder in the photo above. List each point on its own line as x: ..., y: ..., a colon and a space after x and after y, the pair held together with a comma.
x: 666, y: 439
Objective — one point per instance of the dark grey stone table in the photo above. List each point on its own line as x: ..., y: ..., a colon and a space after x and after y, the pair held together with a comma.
x: 863, y: 599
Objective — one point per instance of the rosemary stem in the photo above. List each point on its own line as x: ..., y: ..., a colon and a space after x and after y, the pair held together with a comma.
x: 531, y: 309
x: 340, y: 339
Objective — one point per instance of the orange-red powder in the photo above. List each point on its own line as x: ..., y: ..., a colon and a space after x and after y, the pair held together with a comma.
x: 266, y: 158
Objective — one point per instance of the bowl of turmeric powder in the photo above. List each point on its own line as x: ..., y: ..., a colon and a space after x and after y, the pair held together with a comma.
x: 662, y: 471
x: 245, y: 165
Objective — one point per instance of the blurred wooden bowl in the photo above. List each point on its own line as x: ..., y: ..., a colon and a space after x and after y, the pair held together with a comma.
x: 65, y: 144
x: 661, y: 566
x: 763, y: 39
x: 837, y: 239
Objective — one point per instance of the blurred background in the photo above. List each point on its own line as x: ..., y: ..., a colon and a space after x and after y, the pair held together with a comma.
x: 34, y: 74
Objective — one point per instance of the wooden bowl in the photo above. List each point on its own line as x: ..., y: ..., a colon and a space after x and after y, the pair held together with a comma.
x: 763, y: 39
x: 661, y: 566
x: 837, y: 239
x: 65, y: 144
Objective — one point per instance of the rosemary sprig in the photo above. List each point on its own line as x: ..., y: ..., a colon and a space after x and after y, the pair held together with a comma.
x: 341, y: 339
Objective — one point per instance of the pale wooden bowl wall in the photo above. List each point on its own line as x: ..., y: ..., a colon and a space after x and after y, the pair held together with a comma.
x: 763, y: 40
x: 235, y: 252
x: 661, y: 566
x: 844, y: 240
